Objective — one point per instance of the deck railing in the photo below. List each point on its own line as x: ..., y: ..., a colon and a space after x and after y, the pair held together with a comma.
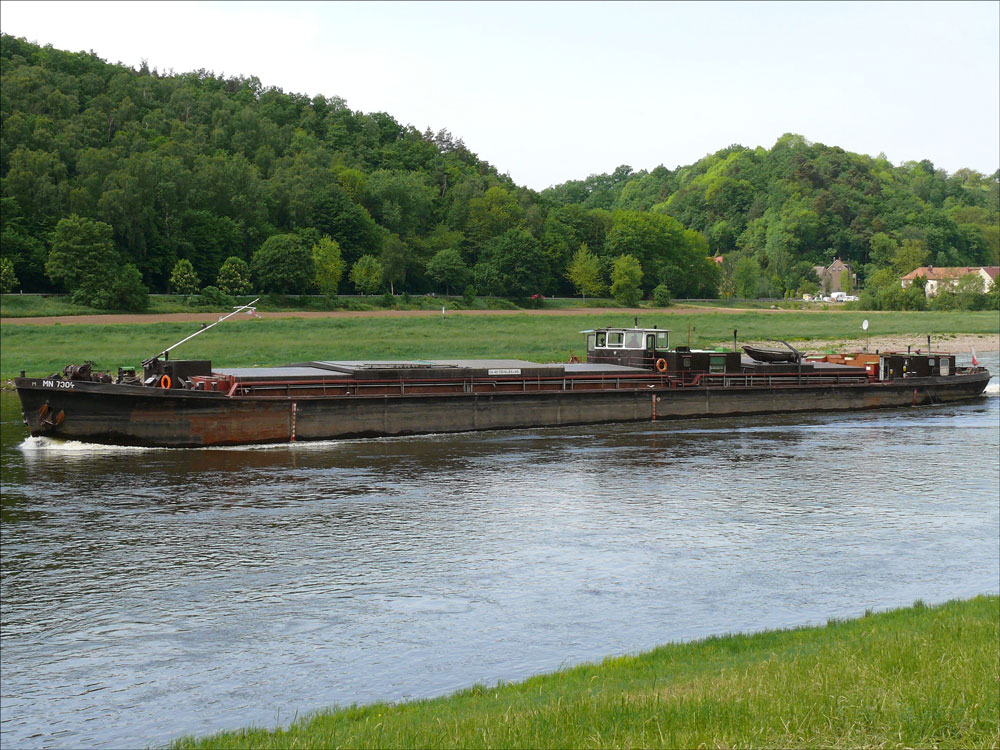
x: 568, y: 383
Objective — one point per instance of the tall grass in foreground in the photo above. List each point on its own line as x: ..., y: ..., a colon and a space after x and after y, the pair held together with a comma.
x: 44, y: 349
x: 916, y: 677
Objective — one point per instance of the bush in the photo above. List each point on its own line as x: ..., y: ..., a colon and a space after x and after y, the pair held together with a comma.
x: 234, y: 276
x: 212, y: 296
x: 366, y: 274
x: 8, y: 280
x: 329, y: 265
x: 661, y: 296
x: 992, y: 297
x: 626, y: 275
x: 123, y: 291
x: 183, y: 279
x: 469, y: 295
x: 943, y: 300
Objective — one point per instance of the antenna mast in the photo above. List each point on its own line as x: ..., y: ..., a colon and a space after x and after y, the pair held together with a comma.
x: 248, y: 308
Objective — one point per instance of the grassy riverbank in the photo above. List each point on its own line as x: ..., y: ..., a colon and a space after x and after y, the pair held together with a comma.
x: 915, y: 677
x: 44, y: 349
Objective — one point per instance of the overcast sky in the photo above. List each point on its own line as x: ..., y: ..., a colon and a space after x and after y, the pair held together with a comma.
x: 551, y: 92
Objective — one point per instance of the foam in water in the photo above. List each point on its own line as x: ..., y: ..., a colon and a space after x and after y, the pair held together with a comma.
x: 41, y: 444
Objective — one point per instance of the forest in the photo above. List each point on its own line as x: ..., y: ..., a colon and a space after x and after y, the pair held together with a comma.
x: 117, y: 181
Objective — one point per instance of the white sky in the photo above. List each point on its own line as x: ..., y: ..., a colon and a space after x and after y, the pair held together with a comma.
x: 551, y: 92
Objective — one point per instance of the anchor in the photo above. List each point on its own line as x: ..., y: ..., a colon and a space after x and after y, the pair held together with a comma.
x: 46, y: 418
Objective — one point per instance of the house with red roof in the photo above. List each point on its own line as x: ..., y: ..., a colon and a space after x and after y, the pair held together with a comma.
x: 939, y: 278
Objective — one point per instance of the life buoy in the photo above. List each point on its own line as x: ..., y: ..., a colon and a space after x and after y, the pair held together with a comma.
x: 165, y: 381
x: 661, y: 365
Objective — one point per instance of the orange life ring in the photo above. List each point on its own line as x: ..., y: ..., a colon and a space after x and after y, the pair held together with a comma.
x: 661, y: 365
x: 165, y: 381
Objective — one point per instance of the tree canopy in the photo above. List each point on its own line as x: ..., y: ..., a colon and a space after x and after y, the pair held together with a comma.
x: 203, y: 168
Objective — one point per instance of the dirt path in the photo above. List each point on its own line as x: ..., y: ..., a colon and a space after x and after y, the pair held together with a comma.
x: 211, y: 317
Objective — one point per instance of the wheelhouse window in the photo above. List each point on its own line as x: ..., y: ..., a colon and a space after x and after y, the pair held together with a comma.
x: 591, y: 342
x: 650, y: 342
x: 615, y: 339
x: 602, y: 340
x: 633, y: 339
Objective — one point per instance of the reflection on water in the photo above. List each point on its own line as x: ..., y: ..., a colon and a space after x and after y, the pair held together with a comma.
x: 149, y: 593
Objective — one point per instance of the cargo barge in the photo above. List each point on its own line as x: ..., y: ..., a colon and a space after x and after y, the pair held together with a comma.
x: 630, y: 374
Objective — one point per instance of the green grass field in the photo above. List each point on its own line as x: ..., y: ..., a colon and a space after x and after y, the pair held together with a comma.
x: 915, y: 677
x: 45, y: 349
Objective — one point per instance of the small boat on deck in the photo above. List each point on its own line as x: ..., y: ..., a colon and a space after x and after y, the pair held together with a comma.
x: 631, y: 374
x: 762, y: 354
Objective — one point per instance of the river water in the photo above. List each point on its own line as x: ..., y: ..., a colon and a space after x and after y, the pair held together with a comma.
x: 148, y: 594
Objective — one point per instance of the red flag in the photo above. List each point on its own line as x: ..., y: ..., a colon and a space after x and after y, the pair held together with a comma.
x: 975, y: 362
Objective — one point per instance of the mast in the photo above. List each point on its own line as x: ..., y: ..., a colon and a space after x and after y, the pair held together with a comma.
x: 248, y: 308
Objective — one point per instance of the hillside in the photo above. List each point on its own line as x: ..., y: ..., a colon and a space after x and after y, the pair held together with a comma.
x: 200, y: 167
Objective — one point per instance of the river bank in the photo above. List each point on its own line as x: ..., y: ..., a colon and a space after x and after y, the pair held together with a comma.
x: 915, y: 677
x: 245, y: 342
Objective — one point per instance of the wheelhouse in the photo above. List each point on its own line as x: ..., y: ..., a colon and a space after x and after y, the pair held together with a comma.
x: 631, y: 347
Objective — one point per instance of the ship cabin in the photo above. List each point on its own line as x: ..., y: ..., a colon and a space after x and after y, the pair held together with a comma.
x: 630, y: 347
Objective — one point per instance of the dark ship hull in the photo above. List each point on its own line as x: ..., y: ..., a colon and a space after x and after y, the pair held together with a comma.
x: 309, y: 402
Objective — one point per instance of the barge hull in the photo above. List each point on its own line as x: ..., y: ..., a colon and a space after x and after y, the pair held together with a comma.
x: 135, y: 415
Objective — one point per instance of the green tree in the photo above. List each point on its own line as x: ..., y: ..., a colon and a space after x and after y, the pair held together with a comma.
x: 234, y: 276
x: 448, y: 269
x: 911, y: 255
x: 283, y: 264
x: 969, y: 294
x: 183, y: 279
x: 746, y: 277
x: 661, y: 295
x: 124, y: 291
x: 82, y: 257
x: 626, y: 277
x: 845, y: 281
x: 366, y: 275
x: 884, y: 248
x: 8, y: 280
x: 993, y: 296
x: 337, y: 216
x: 399, y: 200
x: 394, y: 259
x: 584, y: 271
x: 492, y: 214
x: 329, y: 265
x: 487, y: 279
x: 519, y: 263
x: 651, y: 238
